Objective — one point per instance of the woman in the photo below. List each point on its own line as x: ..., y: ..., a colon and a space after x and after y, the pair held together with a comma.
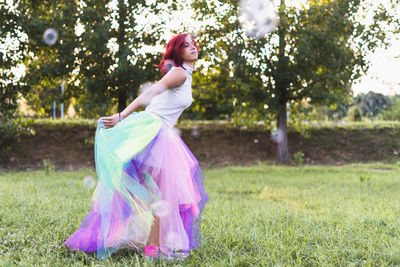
x: 150, y: 193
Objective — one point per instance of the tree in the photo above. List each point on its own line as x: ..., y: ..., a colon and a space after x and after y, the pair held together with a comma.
x: 393, y: 111
x: 314, y: 55
x: 114, y: 57
x: 10, y: 57
x: 354, y: 113
x: 102, y: 52
x: 372, y: 103
x: 11, y: 125
x: 48, y: 66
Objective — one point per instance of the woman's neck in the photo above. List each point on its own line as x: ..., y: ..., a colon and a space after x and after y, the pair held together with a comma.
x: 189, y: 63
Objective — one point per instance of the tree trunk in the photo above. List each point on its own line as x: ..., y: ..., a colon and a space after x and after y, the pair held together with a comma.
x: 282, y: 84
x: 282, y: 147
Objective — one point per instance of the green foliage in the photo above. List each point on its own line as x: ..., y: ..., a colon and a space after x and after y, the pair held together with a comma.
x: 298, y: 158
x: 11, y: 128
x: 47, y: 166
x: 48, y: 67
x: 372, y: 103
x: 308, y: 57
x: 363, y: 178
x: 354, y: 113
x: 11, y: 124
x: 90, y: 106
x: 333, y: 112
x: 367, y: 125
x: 106, y: 73
x: 230, y: 74
x: 102, y: 66
x: 10, y: 57
x: 210, y: 100
x: 393, y: 111
x: 89, y: 140
x: 66, y: 124
x: 316, y: 51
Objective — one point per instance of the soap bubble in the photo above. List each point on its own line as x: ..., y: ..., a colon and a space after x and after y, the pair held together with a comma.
x: 195, y: 132
x: 173, y: 239
x: 257, y: 17
x: 277, y: 136
x: 160, y: 208
x: 89, y: 181
x: 143, y: 87
x: 50, y: 36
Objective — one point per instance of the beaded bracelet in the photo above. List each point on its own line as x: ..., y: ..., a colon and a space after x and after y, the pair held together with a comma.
x: 119, y: 116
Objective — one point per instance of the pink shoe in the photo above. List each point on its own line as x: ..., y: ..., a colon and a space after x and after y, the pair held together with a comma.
x: 151, y: 251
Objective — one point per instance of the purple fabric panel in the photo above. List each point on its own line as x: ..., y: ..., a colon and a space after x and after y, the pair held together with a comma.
x: 86, y: 237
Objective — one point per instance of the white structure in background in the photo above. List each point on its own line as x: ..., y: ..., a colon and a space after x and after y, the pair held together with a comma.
x: 62, y: 104
x: 62, y: 101
x: 54, y: 109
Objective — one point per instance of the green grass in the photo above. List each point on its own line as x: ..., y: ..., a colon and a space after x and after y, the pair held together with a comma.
x: 260, y: 215
x: 65, y: 124
x: 52, y: 124
x: 363, y: 125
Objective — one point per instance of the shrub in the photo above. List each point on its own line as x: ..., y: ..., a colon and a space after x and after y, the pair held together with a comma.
x: 48, y: 166
x: 354, y: 113
x: 393, y: 113
x: 11, y: 129
x: 298, y: 158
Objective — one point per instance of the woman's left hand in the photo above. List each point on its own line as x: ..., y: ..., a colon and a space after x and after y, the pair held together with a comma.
x: 110, y: 121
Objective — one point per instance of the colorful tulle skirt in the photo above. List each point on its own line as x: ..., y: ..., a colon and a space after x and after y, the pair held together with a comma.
x: 144, y: 170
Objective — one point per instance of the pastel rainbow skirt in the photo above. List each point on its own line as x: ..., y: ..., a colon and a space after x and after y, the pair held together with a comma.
x: 144, y: 170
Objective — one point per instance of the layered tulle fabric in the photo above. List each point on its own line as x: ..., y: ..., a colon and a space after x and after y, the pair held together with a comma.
x: 144, y: 170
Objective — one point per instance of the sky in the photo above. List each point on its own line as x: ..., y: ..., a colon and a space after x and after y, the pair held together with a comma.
x: 384, y: 73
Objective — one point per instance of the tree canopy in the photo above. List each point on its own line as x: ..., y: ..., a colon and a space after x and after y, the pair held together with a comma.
x: 314, y: 55
x: 107, y: 49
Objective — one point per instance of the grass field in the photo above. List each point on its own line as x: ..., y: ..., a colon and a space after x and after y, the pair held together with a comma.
x: 256, y: 216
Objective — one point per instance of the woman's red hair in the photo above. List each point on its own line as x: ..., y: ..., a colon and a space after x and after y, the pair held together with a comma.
x: 173, y: 53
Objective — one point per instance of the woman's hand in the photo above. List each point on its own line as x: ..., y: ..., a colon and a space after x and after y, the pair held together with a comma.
x: 110, y: 121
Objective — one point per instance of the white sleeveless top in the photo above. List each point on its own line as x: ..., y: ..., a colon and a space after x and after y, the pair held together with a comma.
x: 170, y: 104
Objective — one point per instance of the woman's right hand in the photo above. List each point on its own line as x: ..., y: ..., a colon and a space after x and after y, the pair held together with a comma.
x: 110, y: 121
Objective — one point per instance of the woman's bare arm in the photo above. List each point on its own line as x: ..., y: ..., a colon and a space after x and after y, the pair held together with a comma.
x: 175, y: 77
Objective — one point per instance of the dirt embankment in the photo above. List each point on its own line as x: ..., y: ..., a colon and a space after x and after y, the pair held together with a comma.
x: 71, y: 146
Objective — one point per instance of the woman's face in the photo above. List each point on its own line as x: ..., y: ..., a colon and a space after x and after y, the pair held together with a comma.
x: 189, y: 50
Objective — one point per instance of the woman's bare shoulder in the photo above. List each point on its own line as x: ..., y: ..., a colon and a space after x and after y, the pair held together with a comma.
x: 179, y: 71
x: 175, y: 77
